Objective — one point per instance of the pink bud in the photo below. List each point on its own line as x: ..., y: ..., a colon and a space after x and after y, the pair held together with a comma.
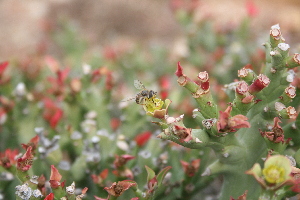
x: 204, y: 78
x: 275, y: 32
x: 290, y: 91
x: 242, y: 88
x: 179, y: 71
x: 297, y: 58
x: 260, y: 83
x: 292, y: 113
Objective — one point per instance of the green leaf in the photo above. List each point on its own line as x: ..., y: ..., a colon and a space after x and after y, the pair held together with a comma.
x: 161, y: 175
x: 150, y: 172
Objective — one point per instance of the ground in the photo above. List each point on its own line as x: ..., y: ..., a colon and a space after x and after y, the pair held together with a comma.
x: 25, y: 25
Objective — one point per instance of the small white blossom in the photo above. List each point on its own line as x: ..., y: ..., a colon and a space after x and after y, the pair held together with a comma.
x: 122, y: 145
x: 3, y: 118
x: 46, y: 146
x: 76, y: 135
x: 170, y: 120
x: 145, y: 154
x: 91, y: 151
x: 279, y: 106
x: 24, y: 191
x: 276, y: 26
x: 34, y: 179
x: 231, y: 86
x: 71, y: 189
x: 283, y: 46
x: 37, y: 193
x: 86, y: 68
x: 6, y: 176
x: 64, y: 165
x: 291, y: 75
x: 95, y: 139
x: 91, y: 114
x: 136, y: 170
x: 20, y: 90
x: 103, y: 132
x: 208, y: 123
x: 198, y: 141
x: 88, y: 125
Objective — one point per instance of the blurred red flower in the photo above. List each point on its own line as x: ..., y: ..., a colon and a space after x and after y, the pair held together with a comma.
x: 142, y: 138
x: 7, y: 158
x: 25, y: 162
x: 52, y: 113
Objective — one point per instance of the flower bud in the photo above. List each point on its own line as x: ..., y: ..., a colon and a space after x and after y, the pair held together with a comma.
x: 288, y: 113
x: 184, y: 134
x: 293, y: 61
x: 204, y: 78
x: 25, y: 162
x: 190, y: 169
x: 179, y: 71
x: 75, y: 85
x: 246, y: 74
x: 260, y: 83
x: 242, y: 88
x: 288, y: 94
x: 117, y: 189
x: 275, y: 36
x: 243, y: 96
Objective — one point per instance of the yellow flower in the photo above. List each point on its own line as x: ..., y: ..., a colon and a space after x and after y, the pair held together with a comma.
x: 277, y: 169
x: 153, y: 104
x: 274, y: 174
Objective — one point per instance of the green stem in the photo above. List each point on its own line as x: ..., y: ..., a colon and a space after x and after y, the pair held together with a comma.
x: 235, y: 185
x: 267, y: 194
x: 22, y: 176
x: 112, y: 198
x: 139, y: 194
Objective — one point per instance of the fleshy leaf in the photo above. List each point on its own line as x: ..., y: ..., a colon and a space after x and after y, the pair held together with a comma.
x: 161, y: 175
x: 150, y: 172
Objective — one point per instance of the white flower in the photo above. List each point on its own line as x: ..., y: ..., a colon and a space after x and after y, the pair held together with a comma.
x: 71, y: 189
x: 283, y: 46
x: 24, y: 191
x: 20, y: 90
x: 86, y: 68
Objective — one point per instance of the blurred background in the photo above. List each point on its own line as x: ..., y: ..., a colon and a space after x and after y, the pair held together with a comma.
x: 73, y: 61
x: 27, y: 25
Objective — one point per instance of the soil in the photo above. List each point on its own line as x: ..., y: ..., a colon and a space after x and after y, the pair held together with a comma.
x: 25, y: 25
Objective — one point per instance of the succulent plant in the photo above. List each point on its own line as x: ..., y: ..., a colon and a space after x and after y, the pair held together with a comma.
x: 66, y: 133
x: 250, y: 128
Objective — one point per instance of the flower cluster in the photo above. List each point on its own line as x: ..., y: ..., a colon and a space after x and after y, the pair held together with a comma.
x: 67, y: 134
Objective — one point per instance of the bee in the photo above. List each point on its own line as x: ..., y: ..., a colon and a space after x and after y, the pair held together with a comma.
x: 144, y: 95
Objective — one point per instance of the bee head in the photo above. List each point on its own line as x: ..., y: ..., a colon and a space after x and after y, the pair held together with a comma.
x: 152, y: 94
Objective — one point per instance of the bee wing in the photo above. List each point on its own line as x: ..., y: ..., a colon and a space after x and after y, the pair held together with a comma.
x: 128, y: 99
x: 139, y: 85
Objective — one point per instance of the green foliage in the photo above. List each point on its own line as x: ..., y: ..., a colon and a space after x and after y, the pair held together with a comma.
x: 87, y: 135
